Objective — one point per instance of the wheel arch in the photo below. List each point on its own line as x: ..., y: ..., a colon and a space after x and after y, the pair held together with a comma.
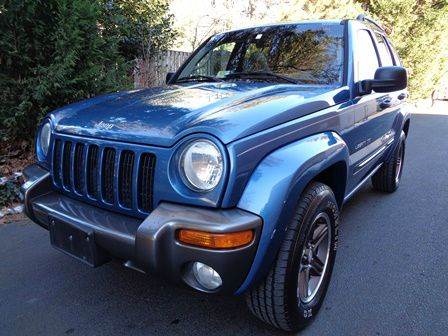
x: 277, y: 184
x: 406, y: 125
x: 335, y: 177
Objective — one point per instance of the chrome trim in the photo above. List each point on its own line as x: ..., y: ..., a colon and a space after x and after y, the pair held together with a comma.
x: 131, y: 265
x: 376, y: 153
x: 364, y: 180
x: 36, y: 181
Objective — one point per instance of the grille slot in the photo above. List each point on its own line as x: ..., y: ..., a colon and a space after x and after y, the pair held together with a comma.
x: 67, y: 164
x: 146, y: 181
x: 125, y: 178
x: 57, y: 162
x: 92, y: 171
x: 108, y: 175
x: 78, y: 172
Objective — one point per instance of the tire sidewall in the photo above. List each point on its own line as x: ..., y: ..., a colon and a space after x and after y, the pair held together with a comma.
x: 305, y: 312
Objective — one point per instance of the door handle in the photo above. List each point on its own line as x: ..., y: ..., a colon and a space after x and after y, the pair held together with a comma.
x: 385, y: 103
x: 402, y: 96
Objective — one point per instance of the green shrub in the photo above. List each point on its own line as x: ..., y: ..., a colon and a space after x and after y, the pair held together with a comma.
x: 418, y: 30
x: 143, y: 27
x: 54, y: 52
x: 9, y: 193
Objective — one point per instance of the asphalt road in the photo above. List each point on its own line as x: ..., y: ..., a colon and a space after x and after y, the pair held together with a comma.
x: 390, y: 278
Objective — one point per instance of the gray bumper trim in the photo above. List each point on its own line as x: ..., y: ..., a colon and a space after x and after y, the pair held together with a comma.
x: 37, y: 182
x: 114, y: 232
x: 151, y: 244
x: 158, y: 251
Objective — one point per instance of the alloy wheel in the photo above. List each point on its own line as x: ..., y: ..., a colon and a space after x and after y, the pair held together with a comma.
x: 314, y: 260
x: 399, y: 164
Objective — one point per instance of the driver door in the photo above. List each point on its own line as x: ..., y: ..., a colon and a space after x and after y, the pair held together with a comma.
x: 373, y: 117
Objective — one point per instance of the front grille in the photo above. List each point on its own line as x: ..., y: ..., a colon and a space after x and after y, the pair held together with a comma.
x: 105, y: 175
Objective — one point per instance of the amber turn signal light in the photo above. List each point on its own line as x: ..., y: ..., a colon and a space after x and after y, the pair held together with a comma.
x: 215, y: 240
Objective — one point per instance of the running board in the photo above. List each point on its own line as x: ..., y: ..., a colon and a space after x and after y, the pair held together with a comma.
x: 364, y: 180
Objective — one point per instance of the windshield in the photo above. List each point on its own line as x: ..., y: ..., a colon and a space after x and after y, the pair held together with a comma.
x: 307, y: 53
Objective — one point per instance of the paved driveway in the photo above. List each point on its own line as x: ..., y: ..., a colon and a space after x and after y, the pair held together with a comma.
x: 390, y: 278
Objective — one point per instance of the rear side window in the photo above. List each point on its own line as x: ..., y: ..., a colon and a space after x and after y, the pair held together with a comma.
x: 366, y: 57
x: 383, y: 50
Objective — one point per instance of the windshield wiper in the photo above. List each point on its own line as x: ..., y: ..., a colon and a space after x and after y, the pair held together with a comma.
x: 196, y: 78
x: 261, y: 74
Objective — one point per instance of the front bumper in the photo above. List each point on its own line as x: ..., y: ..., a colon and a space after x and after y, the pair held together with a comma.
x: 149, y: 245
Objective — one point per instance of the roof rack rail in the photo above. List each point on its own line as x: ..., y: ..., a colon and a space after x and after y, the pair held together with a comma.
x: 362, y: 17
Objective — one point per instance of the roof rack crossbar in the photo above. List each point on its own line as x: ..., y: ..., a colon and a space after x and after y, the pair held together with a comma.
x: 362, y: 17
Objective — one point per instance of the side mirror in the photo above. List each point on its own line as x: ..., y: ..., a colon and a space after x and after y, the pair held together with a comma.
x: 168, y: 77
x: 387, y: 79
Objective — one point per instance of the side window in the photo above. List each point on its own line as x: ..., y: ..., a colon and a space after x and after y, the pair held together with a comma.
x: 214, y: 61
x: 366, y: 61
x: 383, y: 50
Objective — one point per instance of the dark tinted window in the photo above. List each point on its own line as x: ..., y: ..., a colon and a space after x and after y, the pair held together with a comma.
x: 309, y: 53
x: 366, y: 59
x: 214, y: 61
x: 383, y: 49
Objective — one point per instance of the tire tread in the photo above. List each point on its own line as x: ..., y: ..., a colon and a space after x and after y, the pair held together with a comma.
x: 268, y: 301
x: 384, y: 179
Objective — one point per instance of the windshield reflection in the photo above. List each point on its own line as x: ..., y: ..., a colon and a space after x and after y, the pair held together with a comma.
x: 305, y: 53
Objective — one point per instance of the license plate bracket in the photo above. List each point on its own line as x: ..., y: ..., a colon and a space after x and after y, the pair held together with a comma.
x: 77, y: 241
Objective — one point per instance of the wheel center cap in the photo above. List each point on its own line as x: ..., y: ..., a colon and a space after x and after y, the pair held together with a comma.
x: 309, y: 254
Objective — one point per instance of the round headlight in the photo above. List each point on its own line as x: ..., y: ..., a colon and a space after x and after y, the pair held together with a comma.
x: 44, y: 140
x: 201, y: 165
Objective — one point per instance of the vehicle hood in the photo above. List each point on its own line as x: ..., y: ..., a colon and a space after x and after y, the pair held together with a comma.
x: 161, y: 116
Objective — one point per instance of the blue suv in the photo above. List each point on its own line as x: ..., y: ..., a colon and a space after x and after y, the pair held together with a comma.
x: 231, y: 178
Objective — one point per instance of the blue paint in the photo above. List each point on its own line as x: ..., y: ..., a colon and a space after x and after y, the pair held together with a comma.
x: 163, y: 116
x: 274, y: 137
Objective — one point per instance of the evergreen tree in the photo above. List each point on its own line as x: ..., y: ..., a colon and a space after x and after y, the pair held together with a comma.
x: 418, y: 29
x: 144, y: 27
x: 54, y: 52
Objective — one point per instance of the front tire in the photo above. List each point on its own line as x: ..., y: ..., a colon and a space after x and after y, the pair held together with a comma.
x: 388, y: 177
x: 292, y: 293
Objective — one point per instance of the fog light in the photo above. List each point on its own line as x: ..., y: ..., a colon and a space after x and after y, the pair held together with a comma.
x: 206, y: 276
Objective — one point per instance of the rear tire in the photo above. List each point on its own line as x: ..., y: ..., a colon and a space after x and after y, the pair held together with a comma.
x: 388, y: 177
x: 292, y: 293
